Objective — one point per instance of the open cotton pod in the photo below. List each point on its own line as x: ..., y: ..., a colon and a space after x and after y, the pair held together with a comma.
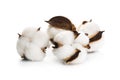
x: 32, y: 43
x: 58, y: 24
x: 65, y: 50
x: 94, y: 33
x: 70, y: 54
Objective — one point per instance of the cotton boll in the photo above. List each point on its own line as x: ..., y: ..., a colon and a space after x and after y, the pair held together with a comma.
x: 32, y: 46
x: 94, y: 33
x: 71, y: 51
x: 34, y: 53
x: 89, y: 27
x: 82, y: 39
x: 65, y: 37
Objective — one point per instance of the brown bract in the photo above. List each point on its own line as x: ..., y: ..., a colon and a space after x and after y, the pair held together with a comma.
x: 98, y: 36
x: 73, y: 57
x: 87, y: 46
x: 76, y: 34
x: 19, y: 35
x: 61, y: 22
x: 43, y: 49
x: 24, y: 57
x: 84, y: 22
x: 56, y: 44
x: 38, y: 29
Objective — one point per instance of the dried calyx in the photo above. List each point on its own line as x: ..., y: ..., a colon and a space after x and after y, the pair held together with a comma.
x: 61, y: 22
x: 76, y: 34
x: 38, y: 29
x: 19, y: 35
x: 97, y: 36
x: 84, y: 22
x: 74, y: 56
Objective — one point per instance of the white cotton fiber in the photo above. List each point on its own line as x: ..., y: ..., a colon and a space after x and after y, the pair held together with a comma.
x: 82, y: 39
x: 29, y: 32
x: 41, y: 39
x: 34, y: 52
x: 90, y: 28
x: 65, y: 37
x: 64, y: 51
x: 52, y: 31
x: 21, y: 45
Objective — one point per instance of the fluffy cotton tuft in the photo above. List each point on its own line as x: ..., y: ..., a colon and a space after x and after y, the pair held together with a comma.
x: 65, y: 37
x: 90, y: 28
x: 52, y: 31
x: 29, y: 32
x: 34, y: 53
x: 31, y: 44
x: 22, y: 43
x: 41, y: 39
x: 64, y: 51
x: 82, y: 39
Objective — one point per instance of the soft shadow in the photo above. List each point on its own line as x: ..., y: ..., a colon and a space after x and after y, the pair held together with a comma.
x: 23, y: 62
x: 92, y: 52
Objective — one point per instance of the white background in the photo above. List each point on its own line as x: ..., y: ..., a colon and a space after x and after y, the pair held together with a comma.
x: 15, y: 15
